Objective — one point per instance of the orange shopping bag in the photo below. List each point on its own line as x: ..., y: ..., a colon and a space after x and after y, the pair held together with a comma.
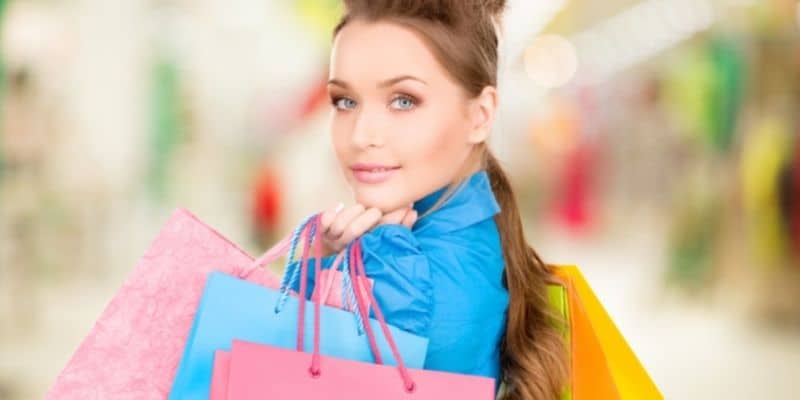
x: 603, y: 365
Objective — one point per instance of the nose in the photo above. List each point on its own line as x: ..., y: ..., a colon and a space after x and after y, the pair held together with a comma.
x: 368, y: 130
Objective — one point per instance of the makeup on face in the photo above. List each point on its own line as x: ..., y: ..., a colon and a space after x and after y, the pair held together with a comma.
x: 397, y: 117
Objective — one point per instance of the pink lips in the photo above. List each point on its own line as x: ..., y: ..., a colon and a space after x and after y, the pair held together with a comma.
x: 372, y: 173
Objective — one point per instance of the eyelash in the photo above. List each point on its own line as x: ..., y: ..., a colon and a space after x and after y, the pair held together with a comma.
x: 335, y: 99
x: 414, y: 101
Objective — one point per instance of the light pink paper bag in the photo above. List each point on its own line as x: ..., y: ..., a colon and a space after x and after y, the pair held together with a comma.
x: 135, y: 346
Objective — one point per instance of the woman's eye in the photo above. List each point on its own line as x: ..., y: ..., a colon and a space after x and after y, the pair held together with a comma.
x: 343, y: 103
x: 403, y: 103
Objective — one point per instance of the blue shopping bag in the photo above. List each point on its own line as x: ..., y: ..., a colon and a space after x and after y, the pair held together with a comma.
x: 232, y: 308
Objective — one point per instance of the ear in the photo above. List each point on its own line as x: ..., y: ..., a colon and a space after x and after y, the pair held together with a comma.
x: 482, y: 114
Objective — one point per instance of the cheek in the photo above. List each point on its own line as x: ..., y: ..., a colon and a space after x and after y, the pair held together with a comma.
x: 435, y: 140
x: 340, y: 137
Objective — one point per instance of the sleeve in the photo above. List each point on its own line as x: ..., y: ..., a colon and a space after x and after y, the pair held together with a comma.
x: 327, y: 262
x: 401, y: 277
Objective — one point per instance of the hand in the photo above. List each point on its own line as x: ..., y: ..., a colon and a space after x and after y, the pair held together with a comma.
x: 341, y: 225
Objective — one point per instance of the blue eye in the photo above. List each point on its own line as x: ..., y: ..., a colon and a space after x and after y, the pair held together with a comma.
x: 404, y: 102
x: 343, y: 103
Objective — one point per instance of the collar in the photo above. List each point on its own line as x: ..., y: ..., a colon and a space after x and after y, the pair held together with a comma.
x: 472, y: 202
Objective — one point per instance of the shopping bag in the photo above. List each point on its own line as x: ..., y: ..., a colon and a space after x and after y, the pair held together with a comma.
x: 603, y: 365
x: 559, y: 301
x: 219, y: 377
x: 134, y: 347
x: 258, y: 371
x: 232, y: 308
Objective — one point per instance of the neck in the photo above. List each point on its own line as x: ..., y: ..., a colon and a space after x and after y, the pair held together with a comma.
x: 473, y: 162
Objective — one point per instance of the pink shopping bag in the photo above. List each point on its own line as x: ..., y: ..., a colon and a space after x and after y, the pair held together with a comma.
x: 134, y: 348
x: 219, y: 379
x: 256, y: 371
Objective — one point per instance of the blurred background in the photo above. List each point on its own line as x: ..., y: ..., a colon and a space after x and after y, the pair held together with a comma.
x: 654, y: 143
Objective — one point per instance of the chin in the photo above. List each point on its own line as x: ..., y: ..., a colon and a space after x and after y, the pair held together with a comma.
x: 384, y: 200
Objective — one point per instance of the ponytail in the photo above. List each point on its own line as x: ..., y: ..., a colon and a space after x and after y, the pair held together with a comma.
x: 533, y: 353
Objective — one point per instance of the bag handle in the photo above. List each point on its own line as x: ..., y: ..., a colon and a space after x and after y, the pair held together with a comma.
x: 326, y: 290
x: 361, y: 306
x: 286, y: 245
x: 312, y: 230
x: 347, y: 294
x: 292, y: 274
x: 359, y: 269
x: 269, y: 256
x: 305, y: 232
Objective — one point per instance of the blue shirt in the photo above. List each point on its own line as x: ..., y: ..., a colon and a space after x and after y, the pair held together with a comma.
x: 443, y: 279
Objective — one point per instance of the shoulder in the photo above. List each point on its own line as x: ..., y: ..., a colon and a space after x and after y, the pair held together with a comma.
x: 393, y: 240
x: 479, y: 242
x: 395, y: 246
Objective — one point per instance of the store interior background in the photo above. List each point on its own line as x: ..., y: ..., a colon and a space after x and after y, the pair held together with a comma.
x: 653, y: 143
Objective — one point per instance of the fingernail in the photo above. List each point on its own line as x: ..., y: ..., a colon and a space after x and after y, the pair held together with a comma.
x: 339, y: 207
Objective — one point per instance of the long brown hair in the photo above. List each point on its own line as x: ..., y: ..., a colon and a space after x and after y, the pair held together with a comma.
x: 462, y: 34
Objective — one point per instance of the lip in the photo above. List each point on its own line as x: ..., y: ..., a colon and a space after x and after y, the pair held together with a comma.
x: 373, y: 173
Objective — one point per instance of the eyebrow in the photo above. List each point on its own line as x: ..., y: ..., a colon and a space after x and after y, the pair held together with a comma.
x: 388, y: 82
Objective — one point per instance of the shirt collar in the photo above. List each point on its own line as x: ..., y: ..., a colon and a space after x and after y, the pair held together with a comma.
x: 472, y: 202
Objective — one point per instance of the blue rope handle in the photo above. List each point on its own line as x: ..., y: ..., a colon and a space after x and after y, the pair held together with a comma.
x: 296, y: 273
x: 290, y: 275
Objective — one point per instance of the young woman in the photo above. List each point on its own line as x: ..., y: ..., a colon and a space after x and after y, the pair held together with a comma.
x: 413, y: 94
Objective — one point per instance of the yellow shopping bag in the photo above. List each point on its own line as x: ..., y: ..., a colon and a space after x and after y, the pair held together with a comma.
x: 602, y: 364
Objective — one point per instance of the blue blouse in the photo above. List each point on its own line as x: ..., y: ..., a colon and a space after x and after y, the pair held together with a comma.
x: 443, y: 279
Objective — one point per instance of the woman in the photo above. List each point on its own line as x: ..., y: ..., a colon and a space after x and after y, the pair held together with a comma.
x: 413, y: 95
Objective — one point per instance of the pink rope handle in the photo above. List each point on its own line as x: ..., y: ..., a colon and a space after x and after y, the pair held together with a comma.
x: 272, y: 254
x: 358, y: 271
x: 404, y: 374
x: 362, y: 307
x: 303, y: 278
x: 315, y: 358
x: 326, y: 291
x: 315, y: 369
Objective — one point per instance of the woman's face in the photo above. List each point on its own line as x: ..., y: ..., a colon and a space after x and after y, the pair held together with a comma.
x: 399, y: 123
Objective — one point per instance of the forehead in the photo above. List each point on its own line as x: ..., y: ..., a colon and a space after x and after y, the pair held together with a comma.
x: 365, y: 52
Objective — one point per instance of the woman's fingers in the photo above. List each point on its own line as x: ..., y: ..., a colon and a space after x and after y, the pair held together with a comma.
x: 326, y: 220
x: 406, y: 216
x: 394, y: 217
x: 359, y: 225
x: 340, y: 225
x: 328, y: 216
x: 410, y: 218
x: 342, y: 220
